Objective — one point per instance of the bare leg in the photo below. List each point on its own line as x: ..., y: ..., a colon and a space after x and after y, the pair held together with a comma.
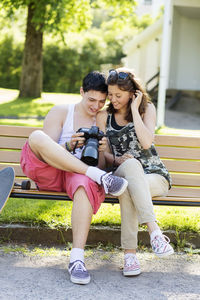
x: 53, y: 154
x: 152, y: 226
x: 81, y: 218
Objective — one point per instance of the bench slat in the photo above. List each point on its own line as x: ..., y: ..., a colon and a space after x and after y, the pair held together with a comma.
x: 171, y: 140
x: 17, y: 168
x: 180, y: 153
x: 172, y: 165
x: 12, y: 142
x: 22, y: 131
x: 186, y: 180
x: 10, y: 156
x: 184, y: 192
x: 182, y: 166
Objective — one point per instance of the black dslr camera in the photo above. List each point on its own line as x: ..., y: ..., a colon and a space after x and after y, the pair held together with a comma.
x: 90, y: 154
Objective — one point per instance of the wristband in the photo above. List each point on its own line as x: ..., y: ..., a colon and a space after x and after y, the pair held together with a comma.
x: 67, y: 146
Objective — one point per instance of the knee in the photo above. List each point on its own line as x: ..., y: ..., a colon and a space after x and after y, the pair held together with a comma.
x: 129, y: 168
x: 36, y: 138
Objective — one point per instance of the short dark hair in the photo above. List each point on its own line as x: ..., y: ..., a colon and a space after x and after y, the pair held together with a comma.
x: 95, y: 81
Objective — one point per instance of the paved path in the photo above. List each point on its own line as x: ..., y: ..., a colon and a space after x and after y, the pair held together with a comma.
x: 27, y: 276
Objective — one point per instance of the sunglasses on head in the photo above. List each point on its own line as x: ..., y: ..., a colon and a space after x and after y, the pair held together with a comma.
x: 120, y: 75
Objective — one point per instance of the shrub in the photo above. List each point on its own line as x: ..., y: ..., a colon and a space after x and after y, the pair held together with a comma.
x: 10, y: 62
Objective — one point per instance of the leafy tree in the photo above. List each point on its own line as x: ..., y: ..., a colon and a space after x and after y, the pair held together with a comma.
x: 57, y: 17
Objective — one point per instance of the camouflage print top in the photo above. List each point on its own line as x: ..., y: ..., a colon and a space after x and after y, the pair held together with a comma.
x: 123, y: 139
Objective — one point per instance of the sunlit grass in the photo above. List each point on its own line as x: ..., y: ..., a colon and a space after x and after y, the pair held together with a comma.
x: 57, y: 214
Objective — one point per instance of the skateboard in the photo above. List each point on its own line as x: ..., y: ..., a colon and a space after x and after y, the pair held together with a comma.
x: 7, y: 177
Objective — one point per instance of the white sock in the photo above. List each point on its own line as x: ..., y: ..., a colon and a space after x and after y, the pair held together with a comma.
x: 77, y: 254
x: 95, y: 174
x: 154, y: 233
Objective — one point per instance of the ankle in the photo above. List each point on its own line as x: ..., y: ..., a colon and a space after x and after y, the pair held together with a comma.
x: 76, y: 254
x: 130, y: 251
x: 155, y: 233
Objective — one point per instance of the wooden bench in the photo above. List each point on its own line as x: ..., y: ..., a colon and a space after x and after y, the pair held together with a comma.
x: 181, y: 156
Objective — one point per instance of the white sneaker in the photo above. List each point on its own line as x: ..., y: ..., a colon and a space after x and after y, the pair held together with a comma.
x: 131, y: 265
x: 160, y: 245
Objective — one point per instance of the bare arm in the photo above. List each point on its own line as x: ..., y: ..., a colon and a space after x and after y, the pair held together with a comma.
x: 101, y: 123
x: 54, y: 121
x: 145, y: 127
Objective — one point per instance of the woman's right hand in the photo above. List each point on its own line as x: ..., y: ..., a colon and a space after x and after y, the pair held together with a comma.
x: 120, y: 159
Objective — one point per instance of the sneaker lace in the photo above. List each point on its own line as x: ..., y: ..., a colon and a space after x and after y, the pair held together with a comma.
x: 79, y: 266
x: 160, y: 241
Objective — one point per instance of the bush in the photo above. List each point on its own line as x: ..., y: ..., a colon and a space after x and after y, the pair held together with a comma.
x: 63, y: 66
x: 10, y: 63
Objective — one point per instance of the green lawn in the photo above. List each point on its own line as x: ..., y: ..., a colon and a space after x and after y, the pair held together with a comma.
x: 57, y: 213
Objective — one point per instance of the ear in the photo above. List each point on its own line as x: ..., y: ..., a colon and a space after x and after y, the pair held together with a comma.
x: 81, y: 91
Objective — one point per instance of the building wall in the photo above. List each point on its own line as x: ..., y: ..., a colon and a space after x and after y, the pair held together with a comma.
x: 149, y: 7
x: 184, y: 71
x: 145, y: 57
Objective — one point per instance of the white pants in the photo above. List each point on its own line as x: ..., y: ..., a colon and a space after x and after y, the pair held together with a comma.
x: 136, y: 202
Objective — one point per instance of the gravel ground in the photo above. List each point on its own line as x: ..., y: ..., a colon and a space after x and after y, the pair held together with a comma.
x: 44, y: 276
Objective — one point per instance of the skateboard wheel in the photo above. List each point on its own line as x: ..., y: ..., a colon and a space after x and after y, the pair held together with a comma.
x: 26, y: 185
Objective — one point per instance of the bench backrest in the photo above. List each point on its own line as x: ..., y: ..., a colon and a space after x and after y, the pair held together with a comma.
x: 180, y: 154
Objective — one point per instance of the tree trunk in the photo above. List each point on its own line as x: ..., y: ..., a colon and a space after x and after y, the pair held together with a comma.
x: 32, y: 69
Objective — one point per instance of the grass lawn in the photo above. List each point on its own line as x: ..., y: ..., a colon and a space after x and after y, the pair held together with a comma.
x: 58, y: 213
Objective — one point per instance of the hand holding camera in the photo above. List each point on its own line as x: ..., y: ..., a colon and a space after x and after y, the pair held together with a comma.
x: 92, y: 136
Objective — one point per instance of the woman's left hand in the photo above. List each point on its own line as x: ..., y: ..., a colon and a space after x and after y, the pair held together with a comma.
x: 136, y: 99
x: 102, y: 144
x: 120, y: 159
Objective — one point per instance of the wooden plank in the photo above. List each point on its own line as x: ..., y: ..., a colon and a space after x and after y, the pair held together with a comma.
x: 17, y: 168
x: 181, y: 153
x: 10, y: 156
x: 12, y: 143
x: 186, y: 179
x: 179, y: 199
x: 182, y: 166
x: 23, y: 131
x: 184, y: 192
x: 172, y: 140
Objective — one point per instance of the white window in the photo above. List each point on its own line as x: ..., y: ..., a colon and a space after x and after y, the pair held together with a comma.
x: 147, y: 2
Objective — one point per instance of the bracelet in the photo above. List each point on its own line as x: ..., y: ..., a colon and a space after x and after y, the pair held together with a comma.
x: 67, y: 146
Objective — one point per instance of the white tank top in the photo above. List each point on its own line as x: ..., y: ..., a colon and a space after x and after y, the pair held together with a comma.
x: 68, y: 130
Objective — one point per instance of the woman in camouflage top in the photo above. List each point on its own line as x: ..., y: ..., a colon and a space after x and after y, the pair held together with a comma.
x: 129, y: 123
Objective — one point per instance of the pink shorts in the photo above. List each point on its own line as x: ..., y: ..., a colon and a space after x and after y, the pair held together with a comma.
x: 48, y: 178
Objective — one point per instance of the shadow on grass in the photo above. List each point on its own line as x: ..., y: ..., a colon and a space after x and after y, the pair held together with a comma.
x: 25, y: 107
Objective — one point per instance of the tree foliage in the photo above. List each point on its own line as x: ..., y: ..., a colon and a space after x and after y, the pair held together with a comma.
x: 116, y: 23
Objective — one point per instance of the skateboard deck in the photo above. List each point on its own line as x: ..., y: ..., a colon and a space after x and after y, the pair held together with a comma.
x: 7, y: 177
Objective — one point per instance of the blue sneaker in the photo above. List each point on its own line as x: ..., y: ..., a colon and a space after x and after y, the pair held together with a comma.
x: 78, y: 272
